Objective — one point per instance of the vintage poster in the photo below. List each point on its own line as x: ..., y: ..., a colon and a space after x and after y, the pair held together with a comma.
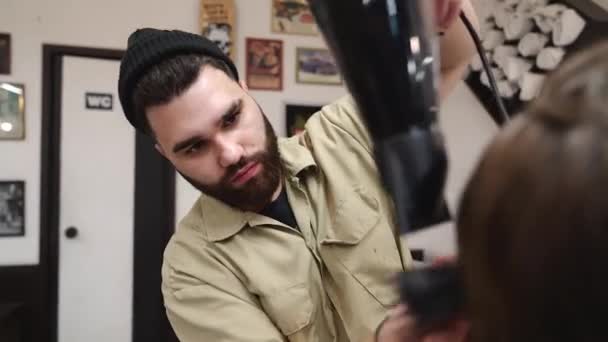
x: 12, y: 216
x: 293, y: 17
x: 296, y: 117
x: 12, y: 111
x: 5, y: 53
x: 316, y: 66
x: 217, y: 23
x: 264, y: 64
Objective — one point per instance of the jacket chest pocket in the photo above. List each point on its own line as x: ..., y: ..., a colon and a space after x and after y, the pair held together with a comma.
x: 361, y: 238
x: 290, y: 309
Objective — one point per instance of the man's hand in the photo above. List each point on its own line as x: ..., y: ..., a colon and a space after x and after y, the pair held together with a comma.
x: 456, y: 45
x: 400, y: 326
x: 446, y: 12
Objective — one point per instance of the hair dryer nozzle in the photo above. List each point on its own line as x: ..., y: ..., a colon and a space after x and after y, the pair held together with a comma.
x: 387, y: 51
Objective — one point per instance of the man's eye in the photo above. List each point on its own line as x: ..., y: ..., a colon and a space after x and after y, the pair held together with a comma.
x: 230, y: 120
x: 194, y: 148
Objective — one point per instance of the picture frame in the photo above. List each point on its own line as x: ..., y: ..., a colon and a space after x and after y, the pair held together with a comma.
x: 293, y: 17
x: 316, y: 66
x: 296, y: 116
x: 217, y: 22
x: 5, y: 54
x: 264, y: 64
x: 12, y: 111
x: 12, y: 208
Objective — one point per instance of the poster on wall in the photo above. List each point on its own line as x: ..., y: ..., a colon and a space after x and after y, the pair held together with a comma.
x: 12, y: 204
x: 12, y: 111
x: 5, y: 53
x: 217, y: 23
x: 264, y: 67
x: 316, y: 66
x: 296, y: 117
x: 293, y: 17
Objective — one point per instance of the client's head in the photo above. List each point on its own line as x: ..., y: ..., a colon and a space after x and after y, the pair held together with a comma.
x: 533, y: 221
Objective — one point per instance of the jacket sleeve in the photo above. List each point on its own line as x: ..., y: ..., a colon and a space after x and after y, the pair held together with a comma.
x: 217, y: 309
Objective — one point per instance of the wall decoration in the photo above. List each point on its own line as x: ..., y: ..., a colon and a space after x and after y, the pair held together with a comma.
x: 217, y: 23
x: 264, y: 66
x: 316, y: 66
x: 526, y: 40
x: 296, y: 117
x: 12, y: 111
x: 5, y: 53
x: 12, y: 208
x: 98, y: 101
x: 293, y: 17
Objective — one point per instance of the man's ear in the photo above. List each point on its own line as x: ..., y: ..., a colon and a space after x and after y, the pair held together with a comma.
x: 243, y: 85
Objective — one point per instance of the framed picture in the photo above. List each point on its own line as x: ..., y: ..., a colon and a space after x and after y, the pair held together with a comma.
x: 296, y: 117
x: 316, y: 66
x: 522, y: 56
x: 217, y: 23
x: 5, y: 53
x: 293, y: 17
x: 12, y: 208
x: 264, y: 65
x: 12, y: 111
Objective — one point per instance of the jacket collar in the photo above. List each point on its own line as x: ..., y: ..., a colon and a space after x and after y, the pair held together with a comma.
x: 222, y: 221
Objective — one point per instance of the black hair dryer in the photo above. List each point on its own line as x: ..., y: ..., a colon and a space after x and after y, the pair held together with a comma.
x: 387, y: 53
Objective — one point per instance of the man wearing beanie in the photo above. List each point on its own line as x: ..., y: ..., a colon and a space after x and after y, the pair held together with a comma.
x: 292, y: 238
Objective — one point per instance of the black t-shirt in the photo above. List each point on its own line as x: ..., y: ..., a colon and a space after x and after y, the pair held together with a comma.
x: 280, y: 210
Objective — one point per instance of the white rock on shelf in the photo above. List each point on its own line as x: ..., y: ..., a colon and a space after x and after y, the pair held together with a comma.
x: 493, y: 39
x: 502, y: 53
x: 517, y: 26
x: 545, y: 17
x: 529, y: 6
x: 545, y: 25
x: 510, y: 3
x: 531, y: 85
x: 549, y: 58
x: 553, y: 11
x: 501, y: 14
x: 532, y: 43
x: 485, y: 27
x: 499, y: 75
x: 507, y: 89
x: 477, y: 64
x: 484, y: 10
x: 516, y: 67
x: 568, y: 28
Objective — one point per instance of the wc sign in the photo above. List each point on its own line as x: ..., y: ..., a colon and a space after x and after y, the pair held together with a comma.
x: 98, y: 101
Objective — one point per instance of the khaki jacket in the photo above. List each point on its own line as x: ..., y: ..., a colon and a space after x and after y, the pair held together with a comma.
x: 230, y: 275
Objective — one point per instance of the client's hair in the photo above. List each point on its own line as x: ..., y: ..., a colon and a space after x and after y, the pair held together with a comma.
x: 533, y: 220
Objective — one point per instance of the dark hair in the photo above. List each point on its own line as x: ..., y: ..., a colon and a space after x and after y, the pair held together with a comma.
x: 169, y: 79
x: 533, y: 220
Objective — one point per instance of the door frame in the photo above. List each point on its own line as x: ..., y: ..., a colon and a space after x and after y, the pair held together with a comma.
x: 154, y: 213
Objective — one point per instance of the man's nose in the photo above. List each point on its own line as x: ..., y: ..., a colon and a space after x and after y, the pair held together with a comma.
x: 229, y: 152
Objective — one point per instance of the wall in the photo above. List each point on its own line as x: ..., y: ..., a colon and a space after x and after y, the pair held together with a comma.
x: 107, y: 24
x: 467, y: 128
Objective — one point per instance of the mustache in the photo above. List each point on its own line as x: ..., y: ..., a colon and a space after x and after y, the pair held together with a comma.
x: 232, y: 170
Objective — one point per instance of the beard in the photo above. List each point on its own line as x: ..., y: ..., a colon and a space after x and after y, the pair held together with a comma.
x: 257, y: 192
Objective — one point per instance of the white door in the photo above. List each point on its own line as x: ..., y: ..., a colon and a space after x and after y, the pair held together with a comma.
x: 97, y: 206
